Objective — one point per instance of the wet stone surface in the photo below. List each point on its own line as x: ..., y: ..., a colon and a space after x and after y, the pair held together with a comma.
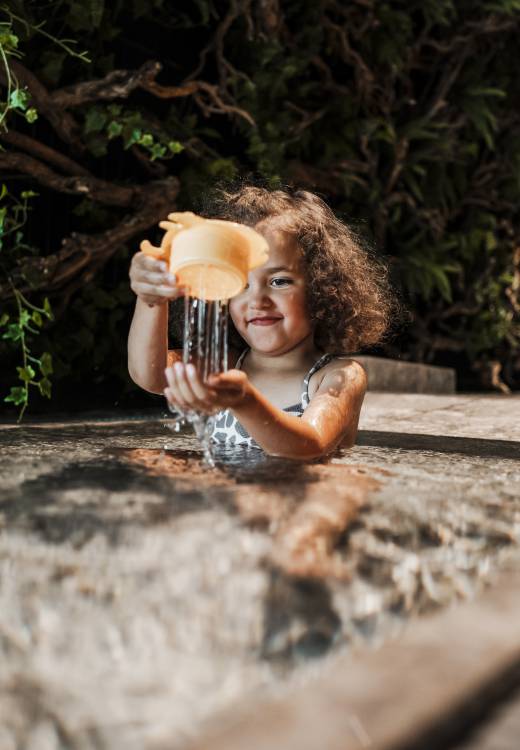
x: 141, y: 591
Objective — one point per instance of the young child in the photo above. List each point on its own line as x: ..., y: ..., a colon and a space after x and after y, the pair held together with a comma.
x: 292, y: 391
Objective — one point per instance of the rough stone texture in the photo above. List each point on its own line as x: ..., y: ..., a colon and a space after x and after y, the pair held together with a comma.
x: 392, y: 375
x: 136, y: 599
x: 492, y: 417
x: 502, y: 732
x: 420, y: 691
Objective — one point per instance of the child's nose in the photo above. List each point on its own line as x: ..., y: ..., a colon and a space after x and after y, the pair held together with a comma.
x: 258, y: 295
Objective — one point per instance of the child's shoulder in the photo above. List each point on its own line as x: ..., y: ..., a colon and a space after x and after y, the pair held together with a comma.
x: 352, y: 373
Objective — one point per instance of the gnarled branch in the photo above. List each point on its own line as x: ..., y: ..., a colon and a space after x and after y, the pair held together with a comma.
x: 99, y: 190
x: 81, y: 252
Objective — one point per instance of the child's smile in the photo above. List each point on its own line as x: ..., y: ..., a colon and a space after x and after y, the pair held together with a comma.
x: 270, y: 314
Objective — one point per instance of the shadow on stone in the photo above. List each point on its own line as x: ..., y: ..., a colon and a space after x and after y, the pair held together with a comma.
x: 300, y: 622
x: 101, y: 496
x: 476, y: 447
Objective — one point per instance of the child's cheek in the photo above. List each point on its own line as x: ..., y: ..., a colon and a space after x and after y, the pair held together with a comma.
x: 235, y: 314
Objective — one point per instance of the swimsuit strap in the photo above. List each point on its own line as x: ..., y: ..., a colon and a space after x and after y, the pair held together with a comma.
x: 321, y: 362
x: 241, y: 359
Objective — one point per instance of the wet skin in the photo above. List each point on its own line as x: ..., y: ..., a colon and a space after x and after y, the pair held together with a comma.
x: 271, y: 316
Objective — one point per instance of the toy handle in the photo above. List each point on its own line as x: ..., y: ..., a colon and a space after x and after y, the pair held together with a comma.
x: 162, y: 252
x: 175, y: 224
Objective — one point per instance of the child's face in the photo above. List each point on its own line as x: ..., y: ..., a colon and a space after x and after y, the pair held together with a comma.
x: 270, y: 313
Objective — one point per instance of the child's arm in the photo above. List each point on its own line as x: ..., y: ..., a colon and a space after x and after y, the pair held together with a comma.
x: 331, y: 417
x: 148, y: 337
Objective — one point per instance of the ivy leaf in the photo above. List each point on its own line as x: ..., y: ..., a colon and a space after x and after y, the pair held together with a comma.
x: 24, y: 318
x: 146, y: 140
x: 134, y: 137
x: 18, y: 99
x: 18, y: 395
x: 114, y: 110
x: 8, y: 40
x: 95, y: 120
x: 157, y: 151
x: 31, y: 115
x: 14, y: 332
x: 46, y: 364
x: 37, y: 318
x: 114, y: 129
x: 45, y: 386
x: 26, y: 373
x: 175, y: 147
x: 47, y: 308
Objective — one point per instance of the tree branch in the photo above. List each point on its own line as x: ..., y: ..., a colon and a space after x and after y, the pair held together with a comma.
x: 118, y: 84
x: 98, y: 190
x: 62, y: 122
x: 36, y: 148
x: 81, y: 253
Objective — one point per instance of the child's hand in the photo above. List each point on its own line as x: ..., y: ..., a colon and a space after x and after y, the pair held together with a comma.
x: 151, y: 281
x: 188, y: 392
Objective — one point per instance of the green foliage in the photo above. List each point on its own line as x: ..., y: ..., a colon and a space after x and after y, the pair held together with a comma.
x: 103, y: 124
x: 17, y: 331
x: 21, y: 322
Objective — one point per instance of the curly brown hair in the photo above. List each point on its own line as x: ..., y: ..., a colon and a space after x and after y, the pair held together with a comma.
x: 349, y: 298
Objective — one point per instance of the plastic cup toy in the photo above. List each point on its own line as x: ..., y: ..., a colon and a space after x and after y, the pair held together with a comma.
x: 211, y: 257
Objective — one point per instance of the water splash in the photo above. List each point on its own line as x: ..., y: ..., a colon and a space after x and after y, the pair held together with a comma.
x: 205, y: 344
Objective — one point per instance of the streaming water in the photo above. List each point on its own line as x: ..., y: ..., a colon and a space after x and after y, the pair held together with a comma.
x: 205, y: 344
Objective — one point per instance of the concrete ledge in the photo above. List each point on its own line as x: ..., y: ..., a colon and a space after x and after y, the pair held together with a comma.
x: 391, y: 375
x: 423, y: 691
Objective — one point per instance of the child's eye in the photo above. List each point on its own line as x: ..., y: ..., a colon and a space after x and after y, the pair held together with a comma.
x: 279, y: 281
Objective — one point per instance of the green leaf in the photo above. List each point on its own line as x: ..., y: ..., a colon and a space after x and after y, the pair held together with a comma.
x: 489, y: 91
x: 24, y: 318
x: 37, y: 318
x: 25, y: 194
x: 4, y: 319
x: 7, y: 40
x: 18, y: 395
x: 157, y: 151
x: 45, y: 386
x: 95, y: 120
x: 18, y: 99
x: 31, y: 115
x: 46, y: 364
x: 443, y: 283
x: 175, y: 147
x: 4, y: 191
x: 114, y: 110
x: 146, y: 140
x: 14, y: 332
x: 47, y: 308
x: 26, y: 373
x: 114, y: 129
x: 490, y: 240
x: 134, y: 137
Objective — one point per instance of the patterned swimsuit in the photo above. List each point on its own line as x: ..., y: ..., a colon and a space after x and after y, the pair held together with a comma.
x: 227, y: 429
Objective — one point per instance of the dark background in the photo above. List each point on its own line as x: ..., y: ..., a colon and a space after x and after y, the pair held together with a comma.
x: 404, y: 117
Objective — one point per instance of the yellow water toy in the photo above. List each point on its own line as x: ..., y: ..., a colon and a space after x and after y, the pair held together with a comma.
x: 211, y: 257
